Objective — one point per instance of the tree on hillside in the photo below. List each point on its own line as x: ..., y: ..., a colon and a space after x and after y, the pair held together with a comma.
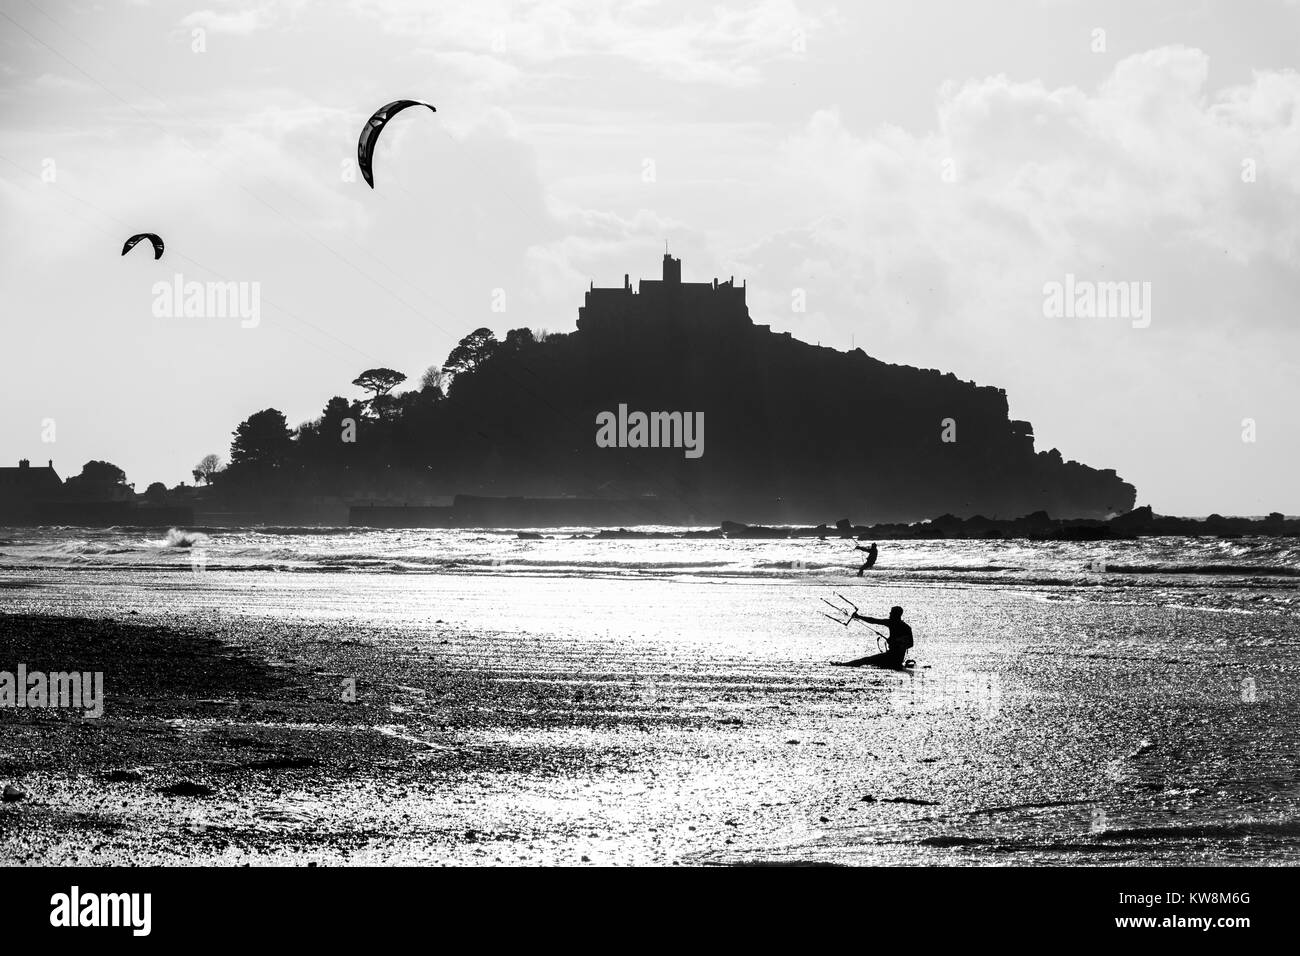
x: 208, y: 466
x: 384, y: 405
x: 261, y: 441
x: 101, y: 472
x: 332, y: 439
x: 100, y: 480
x: 517, y: 339
x: 378, y: 381
x: 337, y: 409
x: 433, y: 378
x: 471, y: 352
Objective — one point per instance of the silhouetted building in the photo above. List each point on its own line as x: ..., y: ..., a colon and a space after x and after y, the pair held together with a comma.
x: 668, y: 300
x: 26, y: 483
x: 22, y: 487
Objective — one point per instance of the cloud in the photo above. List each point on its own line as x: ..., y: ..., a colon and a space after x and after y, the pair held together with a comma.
x: 933, y: 248
x: 240, y: 18
x: 597, y: 246
x: 719, y: 45
x: 235, y: 22
x: 1018, y: 182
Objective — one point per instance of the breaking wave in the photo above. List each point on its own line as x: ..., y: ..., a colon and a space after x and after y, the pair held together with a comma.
x: 177, y: 538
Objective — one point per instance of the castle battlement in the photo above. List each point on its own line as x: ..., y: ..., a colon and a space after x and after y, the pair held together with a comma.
x: 664, y: 300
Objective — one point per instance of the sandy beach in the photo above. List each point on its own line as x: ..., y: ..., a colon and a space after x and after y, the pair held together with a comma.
x: 503, y: 718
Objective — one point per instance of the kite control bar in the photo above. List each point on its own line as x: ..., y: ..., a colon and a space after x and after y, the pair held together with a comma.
x: 850, y: 614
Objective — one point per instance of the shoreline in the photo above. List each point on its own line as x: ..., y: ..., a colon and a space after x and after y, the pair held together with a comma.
x: 1140, y: 523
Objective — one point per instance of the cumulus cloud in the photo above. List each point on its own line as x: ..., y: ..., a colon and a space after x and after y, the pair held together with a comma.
x: 241, y: 18
x: 1017, y: 182
x: 598, y: 246
x: 933, y: 247
x: 236, y: 22
x: 718, y: 44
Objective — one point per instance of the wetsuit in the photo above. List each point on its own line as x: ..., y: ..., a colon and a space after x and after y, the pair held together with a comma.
x: 900, y: 641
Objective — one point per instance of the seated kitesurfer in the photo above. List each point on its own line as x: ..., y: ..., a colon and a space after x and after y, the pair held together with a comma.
x: 900, y: 641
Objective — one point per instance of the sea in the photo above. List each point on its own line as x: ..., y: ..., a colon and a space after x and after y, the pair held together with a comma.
x: 1113, y: 702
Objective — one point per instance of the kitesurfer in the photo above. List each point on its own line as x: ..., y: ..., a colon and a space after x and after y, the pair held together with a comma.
x: 871, y: 557
x: 899, y: 640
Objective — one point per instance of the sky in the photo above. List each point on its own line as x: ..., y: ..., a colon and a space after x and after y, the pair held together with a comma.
x: 909, y: 179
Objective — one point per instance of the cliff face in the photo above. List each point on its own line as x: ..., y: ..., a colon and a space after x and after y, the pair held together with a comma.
x: 791, y: 432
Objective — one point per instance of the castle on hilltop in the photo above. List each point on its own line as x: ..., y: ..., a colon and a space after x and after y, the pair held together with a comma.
x: 663, y: 301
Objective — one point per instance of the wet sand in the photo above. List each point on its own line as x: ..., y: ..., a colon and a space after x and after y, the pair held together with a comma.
x: 649, y: 722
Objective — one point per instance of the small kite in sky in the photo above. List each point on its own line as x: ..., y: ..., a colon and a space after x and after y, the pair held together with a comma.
x: 152, y: 237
